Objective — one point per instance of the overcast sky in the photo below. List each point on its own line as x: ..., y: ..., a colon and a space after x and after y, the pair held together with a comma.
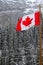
x: 35, y: 0
x: 26, y: 0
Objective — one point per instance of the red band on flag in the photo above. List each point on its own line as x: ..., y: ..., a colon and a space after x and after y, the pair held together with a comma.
x: 18, y: 27
x: 37, y: 18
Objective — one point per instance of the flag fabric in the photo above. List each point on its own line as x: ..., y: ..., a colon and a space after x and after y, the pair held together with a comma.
x: 28, y: 21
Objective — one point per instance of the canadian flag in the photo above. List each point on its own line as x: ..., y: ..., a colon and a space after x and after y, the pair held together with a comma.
x: 28, y: 21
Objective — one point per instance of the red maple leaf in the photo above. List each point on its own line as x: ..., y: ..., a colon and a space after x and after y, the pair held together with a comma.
x: 27, y: 21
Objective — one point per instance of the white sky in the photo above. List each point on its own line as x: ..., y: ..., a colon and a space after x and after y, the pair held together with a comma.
x: 34, y: 0
x: 40, y: 1
x: 31, y: 0
x: 26, y: 0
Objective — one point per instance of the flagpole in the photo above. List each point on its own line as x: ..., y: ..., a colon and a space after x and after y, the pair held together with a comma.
x: 40, y: 39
